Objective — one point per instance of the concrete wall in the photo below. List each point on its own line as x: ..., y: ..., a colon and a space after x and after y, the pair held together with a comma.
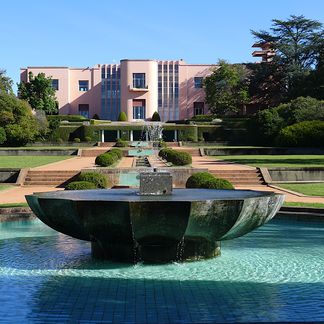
x: 9, y: 175
x: 296, y: 174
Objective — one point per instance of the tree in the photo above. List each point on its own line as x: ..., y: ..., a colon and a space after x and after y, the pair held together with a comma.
x: 39, y: 93
x: 5, y: 83
x: 122, y: 116
x: 17, y: 120
x: 227, y: 89
x: 156, y: 116
x: 298, y: 42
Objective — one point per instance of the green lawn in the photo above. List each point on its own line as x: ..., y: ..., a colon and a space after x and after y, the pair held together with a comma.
x: 269, y: 161
x: 309, y: 189
x: 20, y: 162
x: 42, y: 148
x: 4, y: 187
x: 12, y: 205
x: 298, y: 204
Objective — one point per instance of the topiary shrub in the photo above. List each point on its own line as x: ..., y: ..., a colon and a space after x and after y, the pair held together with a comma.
x: 95, y: 116
x: 87, y: 139
x: 207, y: 181
x: 156, y: 116
x: 76, y: 140
x: 117, y: 151
x: 106, y: 159
x: 98, y: 179
x: 80, y: 185
x: 165, y: 152
x: 121, y: 143
x: 175, y: 157
x: 122, y: 116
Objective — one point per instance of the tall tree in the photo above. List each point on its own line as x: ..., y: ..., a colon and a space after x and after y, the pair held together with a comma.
x: 297, y: 42
x: 227, y: 89
x: 39, y: 93
x: 5, y: 83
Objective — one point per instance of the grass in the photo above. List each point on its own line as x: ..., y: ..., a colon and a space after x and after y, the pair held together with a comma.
x: 12, y: 205
x: 19, y: 162
x: 42, y: 148
x: 301, y: 204
x: 309, y: 189
x: 4, y: 187
x: 269, y: 161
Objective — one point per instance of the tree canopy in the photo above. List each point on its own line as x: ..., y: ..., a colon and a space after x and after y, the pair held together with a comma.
x: 227, y: 89
x: 5, y: 83
x: 39, y: 93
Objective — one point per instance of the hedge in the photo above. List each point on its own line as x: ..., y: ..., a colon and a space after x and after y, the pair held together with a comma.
x: 70, y: 118
x: 80, y: 185
x: 106, y: 159
x: 117, y: 151
x: 98, y: 179
x: 207, y: 181
x: 175, y: 157
x: 121, y: 143
x: 304, y: 134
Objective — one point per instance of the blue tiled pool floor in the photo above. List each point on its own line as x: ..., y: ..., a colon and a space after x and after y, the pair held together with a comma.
x: 275, y: 274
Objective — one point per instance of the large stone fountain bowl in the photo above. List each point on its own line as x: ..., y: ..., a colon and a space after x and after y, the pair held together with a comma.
x: 125, y: 226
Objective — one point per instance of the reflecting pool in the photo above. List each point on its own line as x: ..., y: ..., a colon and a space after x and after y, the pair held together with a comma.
x: 275, y: 273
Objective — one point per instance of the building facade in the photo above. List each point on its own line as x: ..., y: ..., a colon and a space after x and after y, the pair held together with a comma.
x: 137, y: 87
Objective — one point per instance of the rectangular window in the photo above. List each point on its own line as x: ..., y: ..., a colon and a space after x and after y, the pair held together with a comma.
x: 139, y: 80
x: 83, y: 85
x: 138, y: 109
x: 55, y: 84
x: 199, y: 108
x: 198, y: 82
x: 84, y: 110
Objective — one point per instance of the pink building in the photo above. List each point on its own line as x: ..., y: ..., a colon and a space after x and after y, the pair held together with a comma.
x: 137, y: 87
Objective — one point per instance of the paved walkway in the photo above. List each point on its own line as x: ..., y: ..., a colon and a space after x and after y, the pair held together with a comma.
x: 17, y: 194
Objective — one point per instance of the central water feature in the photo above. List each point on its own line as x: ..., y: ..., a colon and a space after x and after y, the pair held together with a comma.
x: 155, y: 224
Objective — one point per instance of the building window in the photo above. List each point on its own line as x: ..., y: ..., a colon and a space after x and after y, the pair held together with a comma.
x: 84, y: 110
x: 83, y: 85
x: 55, y: 84
x: 198, y: 82
x: 138, y: 109
x: 199, y: 108
x: 139, y: 80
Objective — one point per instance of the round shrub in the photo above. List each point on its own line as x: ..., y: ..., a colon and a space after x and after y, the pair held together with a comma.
x: 106, y: 159
x: 207, y: 181
x: 98, y: 179
x: 80, y: 185
x: 87, y: 139
x: 181, y: 158
x: 77, y: 140
x: 117, y: 152
x: 156, y: 116
x: 165, y: 152
x: 121, y: 143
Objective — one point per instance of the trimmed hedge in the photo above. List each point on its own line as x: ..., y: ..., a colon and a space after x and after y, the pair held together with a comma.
x: 304, y: 134
x: 175, y: 157
x: 69, y: 118
x: 80, y: 185
x: 116, y: 151
x: 207, y: 181
x: 121, y: 143
x: 98, y: 179
x: 106, y: 159
x: 122, y: 116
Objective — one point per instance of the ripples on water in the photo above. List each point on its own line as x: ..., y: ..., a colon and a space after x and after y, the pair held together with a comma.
x: 273, y: 274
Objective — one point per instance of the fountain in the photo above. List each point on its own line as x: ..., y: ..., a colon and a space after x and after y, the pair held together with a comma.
x: 156, y: 223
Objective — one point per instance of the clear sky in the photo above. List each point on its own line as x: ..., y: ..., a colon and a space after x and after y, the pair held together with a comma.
x: 83, y: 33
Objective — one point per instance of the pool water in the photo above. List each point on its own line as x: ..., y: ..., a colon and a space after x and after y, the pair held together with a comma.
x: 273, y: 274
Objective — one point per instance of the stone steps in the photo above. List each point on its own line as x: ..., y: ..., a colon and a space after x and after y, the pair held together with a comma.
x: 240, y: 177
x: 49, y: 178
x: 92, y: 153
x: 192, y: 152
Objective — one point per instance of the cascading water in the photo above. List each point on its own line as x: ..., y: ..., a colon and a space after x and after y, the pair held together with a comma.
x: 154, y: 131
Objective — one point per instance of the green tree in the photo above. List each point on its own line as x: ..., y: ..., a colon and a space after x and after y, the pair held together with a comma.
x: 298, y: 42
x: 17, y: 120
x: 5, y: 83
x: 39, y: 93
x: 227, y: 89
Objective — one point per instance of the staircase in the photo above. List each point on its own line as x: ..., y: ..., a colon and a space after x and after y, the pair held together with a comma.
x: 52, y: 178
x: 92, y: 152
x: 240, y: 177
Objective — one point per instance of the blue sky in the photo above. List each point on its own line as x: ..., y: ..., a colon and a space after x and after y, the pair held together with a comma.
x: 84, y: 33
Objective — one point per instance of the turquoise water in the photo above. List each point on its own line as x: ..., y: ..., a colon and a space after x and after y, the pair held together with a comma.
x: 274, y: 274
x: 129, y: 179
x: 140, y: 152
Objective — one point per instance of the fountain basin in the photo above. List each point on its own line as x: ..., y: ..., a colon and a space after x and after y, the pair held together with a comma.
x: 125, y: 226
